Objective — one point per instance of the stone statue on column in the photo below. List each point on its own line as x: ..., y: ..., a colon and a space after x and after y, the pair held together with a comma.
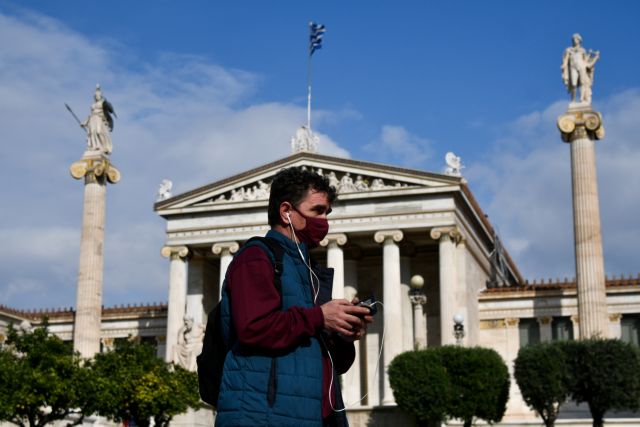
x: 578, y: 66
x: 99, y: 124
x: 96, y: 169
x: 581, y: 126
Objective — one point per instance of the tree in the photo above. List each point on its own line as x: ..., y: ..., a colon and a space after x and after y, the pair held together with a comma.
x: 479, y: 381
x: 42, y: 380
x: 605, y: 374
x: 420, y: 385
x: 133, y: 384
x: 541, y: 372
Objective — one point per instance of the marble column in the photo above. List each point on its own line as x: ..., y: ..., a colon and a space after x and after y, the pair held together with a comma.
x: 407, y: 311
x: 515, y: 404
x: 546, y: 335
x: 177, y: 295
x: 97, y: 170
x: 615, y: 326
x: 352, y: 378
x: 447, y: 237
x: 575, y: 323
x: 226, y: 251
x: 581, y: 127
x: 196, y: 276
x: 335, y: 260
x: 392, y: 299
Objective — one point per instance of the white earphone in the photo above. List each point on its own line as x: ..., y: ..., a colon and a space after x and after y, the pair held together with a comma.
x: 316, y: 291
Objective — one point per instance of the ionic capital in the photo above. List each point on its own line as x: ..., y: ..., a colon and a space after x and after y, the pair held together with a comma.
x: 92, y: 168
x: 388, y: 235
x: 174, y: 252
x: 338, y: 238
x: 581, y: 124
x: 452, y: 232
x: 418, y: 298
x: 511, y: 322
x: 225, y: 248
x: 615, y: 317
x: 575, y: 319
x: 107, y: 342
x: 545, y: 320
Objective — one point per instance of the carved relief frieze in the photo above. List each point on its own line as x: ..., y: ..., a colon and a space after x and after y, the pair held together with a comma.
x: 407, y: 219
x: 343, y: 182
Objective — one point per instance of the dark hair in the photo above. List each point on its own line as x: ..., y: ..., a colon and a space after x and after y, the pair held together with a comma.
x: 291, y: 185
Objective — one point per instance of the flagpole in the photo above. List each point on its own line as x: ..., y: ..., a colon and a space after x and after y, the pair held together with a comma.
x: 309, y: 77
x: 309, y: 93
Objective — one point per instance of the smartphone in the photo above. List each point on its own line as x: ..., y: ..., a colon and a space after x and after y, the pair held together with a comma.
x: 370, y: 303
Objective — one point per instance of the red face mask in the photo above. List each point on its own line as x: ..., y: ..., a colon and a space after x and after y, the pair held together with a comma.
x: 315, y: 230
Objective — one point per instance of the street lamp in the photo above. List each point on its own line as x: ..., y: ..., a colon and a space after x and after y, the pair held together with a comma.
x: 418, y: 299
x: 458, y: 328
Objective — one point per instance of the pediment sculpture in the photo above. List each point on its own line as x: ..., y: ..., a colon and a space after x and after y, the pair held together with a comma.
x: 344, y: 182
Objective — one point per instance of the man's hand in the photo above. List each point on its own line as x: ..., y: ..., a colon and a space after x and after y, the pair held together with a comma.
x: 344, y: 318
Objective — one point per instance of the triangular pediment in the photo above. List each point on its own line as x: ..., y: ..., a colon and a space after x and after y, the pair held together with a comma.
x: 351, y: 179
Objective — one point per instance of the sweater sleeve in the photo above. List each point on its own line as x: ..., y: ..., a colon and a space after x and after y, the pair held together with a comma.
x: 255, y: 306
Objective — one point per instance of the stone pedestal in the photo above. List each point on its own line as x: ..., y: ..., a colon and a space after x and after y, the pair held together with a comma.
x: 97, y: 170
x: 177, y: 295
x: 392, y: 299
x: 581, y: 127
x: 419, y: 300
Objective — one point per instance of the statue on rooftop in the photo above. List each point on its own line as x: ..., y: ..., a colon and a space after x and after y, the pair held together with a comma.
x: 99, y: 124
x: 577, y: 69
x: 454, y: 164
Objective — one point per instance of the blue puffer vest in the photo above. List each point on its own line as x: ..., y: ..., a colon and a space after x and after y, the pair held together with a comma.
x: 245, y: 381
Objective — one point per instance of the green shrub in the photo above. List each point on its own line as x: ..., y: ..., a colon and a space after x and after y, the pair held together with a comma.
x: 420, y: 385
x: 541, y: 372
x: 605, y: 374
x: 479, y: 383
x: 451, y: 382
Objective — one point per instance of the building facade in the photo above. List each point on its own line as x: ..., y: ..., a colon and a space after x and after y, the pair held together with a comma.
x: 388, y: 225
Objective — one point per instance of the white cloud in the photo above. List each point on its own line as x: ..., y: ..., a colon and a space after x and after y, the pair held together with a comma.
x: 526, y: 188
x: 396, y: 145
x: 180, y: 118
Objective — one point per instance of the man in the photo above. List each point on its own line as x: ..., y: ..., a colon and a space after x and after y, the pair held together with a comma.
x: 287, y: 352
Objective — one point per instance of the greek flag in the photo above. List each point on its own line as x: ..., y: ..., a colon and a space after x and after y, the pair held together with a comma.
x: 316, y: 31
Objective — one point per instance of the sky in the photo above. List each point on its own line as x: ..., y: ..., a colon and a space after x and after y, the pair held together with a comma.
x: 204, y: 90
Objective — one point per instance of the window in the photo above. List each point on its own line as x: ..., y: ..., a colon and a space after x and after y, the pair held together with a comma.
x: 529, y: 332
x: 562, y: 328
x: 630, y: 324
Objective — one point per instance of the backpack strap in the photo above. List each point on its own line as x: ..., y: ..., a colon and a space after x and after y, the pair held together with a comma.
x: 277, y: 252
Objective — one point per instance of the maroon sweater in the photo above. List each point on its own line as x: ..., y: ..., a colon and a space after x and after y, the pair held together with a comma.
x: 260, y: 323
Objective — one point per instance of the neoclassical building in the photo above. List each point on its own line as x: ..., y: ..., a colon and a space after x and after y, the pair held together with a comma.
x: 388, y: 225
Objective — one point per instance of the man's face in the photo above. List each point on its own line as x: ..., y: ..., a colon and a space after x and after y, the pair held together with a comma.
x: 314, y: 205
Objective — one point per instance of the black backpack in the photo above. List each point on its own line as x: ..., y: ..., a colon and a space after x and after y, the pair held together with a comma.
x: 215, y: 349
